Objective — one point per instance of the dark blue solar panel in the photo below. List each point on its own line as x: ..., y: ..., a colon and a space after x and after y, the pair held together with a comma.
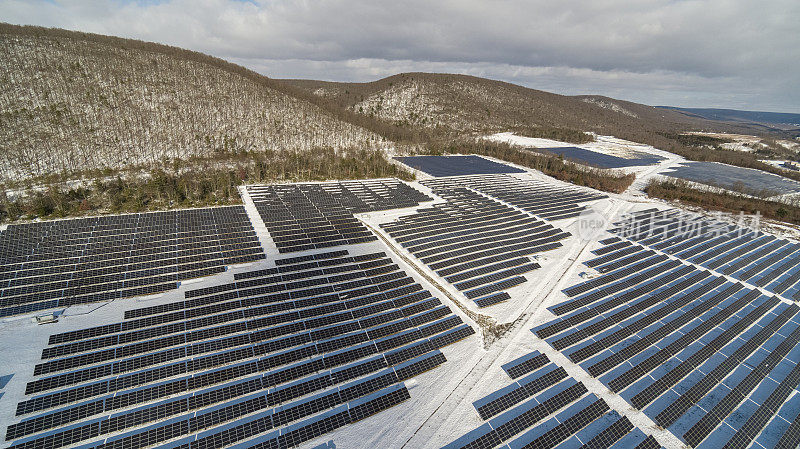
x: 525, y: 364
x: 262, y: 353
x: 544, y: 414
x: 709, y: 360
x: 729, y: 176
x: 601, y: 160
x: 456, y: 165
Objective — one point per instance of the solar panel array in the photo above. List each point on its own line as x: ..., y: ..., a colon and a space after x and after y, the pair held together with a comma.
x: 61, y: 263
x: 545, y: 200
x: 732, y: 177
x: 601, y: 160
x: 302, y: 217
x: 278, y: 357
x: 456, y: 165
x: 739, y: 252
x: 547, y: 408
x: 711, y: 360
x: 477, y: 244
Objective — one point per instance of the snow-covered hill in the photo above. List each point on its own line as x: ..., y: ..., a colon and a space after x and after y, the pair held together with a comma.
x: 75, y: 102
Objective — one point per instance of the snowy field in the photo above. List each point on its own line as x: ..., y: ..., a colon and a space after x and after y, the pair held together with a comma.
x: 441, y: 405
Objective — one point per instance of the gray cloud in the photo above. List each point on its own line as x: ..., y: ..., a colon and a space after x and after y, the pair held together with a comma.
x: 715, y: 53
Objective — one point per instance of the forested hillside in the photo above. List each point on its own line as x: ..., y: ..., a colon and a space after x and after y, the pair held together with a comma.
x: 74, y: 102
x: 468, y: 103
x: 454, y: 105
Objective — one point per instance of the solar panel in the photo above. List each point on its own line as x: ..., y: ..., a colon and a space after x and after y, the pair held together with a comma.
x: 480, y: 253
x: 737, y: 251
x: 514, y: 421
x: 456, y: 165
x: 76, y: 261
x: 515, y: 393
x: 549, y: 201
x: 674, y: 346
x: 302, y: 217
x: 277, y: 363
x: 525, y: 364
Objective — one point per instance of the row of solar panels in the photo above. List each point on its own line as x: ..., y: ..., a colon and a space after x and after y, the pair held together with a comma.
x: 68, y: 262
x: 133, y: 267
x: 545, y: 200
x: 739, y: 252
x: 137, y: 245
x: 86, y: 227
x: 125, y: 220
x: 307, y: 298
x: 290, y: 269
x: 329, y: 344
x: 714, y: 362
x: 477, y: 244
x: 302, y: 217
x: 16, y: 241
x: 149, y: 283
x: 355, y: 196
x: 546, y: 408
x: 456, y: 165
x: 115, y: 248
x: 373, y: 270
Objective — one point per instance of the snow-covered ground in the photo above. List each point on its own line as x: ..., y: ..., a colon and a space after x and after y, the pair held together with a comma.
x: 791, y: 145
x: 781, y: 164
x: 741, y: 142
x: 440, y: 409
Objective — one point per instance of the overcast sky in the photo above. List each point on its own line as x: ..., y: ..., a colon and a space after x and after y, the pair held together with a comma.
x: 741, y: 54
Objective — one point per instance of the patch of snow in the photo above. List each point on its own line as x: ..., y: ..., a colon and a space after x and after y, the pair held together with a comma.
x: 789, y: 145
x: 610, y: 105
x: 740, y: 146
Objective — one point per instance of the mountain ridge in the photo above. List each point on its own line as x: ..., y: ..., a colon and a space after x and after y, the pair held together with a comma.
x: 785, y: 121
x: 353, y: 95
x: 77, y: 102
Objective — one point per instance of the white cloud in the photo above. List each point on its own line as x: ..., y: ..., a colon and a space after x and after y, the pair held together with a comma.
x: 714, y: 53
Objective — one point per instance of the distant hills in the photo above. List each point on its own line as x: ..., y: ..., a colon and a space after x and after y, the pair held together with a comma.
x: 470, y: 104
x: 466, y: 105
x: 773, y: 120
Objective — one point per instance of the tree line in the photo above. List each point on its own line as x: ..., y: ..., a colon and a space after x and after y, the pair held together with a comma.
x: 682, y: 192
x: 195, y: 183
